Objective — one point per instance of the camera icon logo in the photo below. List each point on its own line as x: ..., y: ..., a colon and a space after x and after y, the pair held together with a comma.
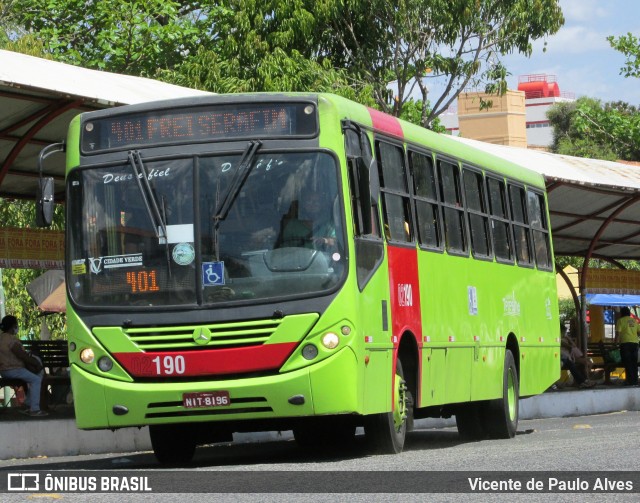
x: 23, y: 482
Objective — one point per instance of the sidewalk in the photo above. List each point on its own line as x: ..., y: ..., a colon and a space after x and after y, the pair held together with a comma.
x: 57, y: 435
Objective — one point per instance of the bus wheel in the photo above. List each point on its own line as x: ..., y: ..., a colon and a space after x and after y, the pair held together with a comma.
x: 501, y: 415
x: 470, y: 422
x: 387, y: 431
x: 173, y: 444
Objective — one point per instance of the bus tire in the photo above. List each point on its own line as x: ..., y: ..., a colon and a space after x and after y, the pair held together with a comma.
x: 386, y: 432
x: 501, y: 415
x: 173, y: 444
x: 469, y: 421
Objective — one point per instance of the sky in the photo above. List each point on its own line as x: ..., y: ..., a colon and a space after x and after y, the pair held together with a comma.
x: 579, y: 54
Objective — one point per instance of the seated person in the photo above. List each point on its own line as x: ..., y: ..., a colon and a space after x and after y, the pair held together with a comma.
x: 16, y: 363
x: 316, y: 231
x: 568, y: 360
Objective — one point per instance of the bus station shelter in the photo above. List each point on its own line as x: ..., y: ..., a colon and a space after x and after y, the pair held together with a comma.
x: 593, y: 204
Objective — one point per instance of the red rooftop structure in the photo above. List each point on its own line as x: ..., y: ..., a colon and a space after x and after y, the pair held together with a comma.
x: 539, y: 86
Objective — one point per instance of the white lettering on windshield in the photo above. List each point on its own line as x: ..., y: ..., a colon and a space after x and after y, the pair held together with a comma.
x: 266, y: 164
x: 154, y: 173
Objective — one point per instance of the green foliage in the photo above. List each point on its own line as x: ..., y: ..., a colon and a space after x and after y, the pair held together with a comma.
x: 567, y: 309
x: 128, y: 36
x: 6, y: 21
x: 415, y: 112
x: 587, y: 128
x: 361, y: 46
x: 277, y: 72
x: 21, y: 214
x: 629, y: 45
x: 415, y: 42
x: 264, y: 46
x: 29, y: 44
x: 563, y: 261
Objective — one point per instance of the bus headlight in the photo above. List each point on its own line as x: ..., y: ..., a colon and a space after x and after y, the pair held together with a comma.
x: 86, y: 355
x: 309, y: 352
x: 105, y: 364
x: 330, y: 340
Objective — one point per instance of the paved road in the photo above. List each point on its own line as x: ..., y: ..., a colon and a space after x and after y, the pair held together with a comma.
x: 589, y: 443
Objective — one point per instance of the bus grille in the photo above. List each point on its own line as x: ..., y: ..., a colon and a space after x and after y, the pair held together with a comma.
x: 218, y: 335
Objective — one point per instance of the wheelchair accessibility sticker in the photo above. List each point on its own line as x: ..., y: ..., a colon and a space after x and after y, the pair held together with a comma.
x: 212, y: 273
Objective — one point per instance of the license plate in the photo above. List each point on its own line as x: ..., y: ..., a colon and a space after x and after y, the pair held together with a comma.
x: 206, y: 399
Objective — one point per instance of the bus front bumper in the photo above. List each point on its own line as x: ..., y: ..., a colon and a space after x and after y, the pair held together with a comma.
x: 329, y: 387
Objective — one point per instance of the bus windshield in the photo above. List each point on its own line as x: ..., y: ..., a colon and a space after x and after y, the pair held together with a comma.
x: 166, y: 242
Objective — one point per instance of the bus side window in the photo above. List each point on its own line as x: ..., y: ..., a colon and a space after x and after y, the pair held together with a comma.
x: 449, y: 176
x: 539, y: 229
x: 426, y: 200
x: 477, y: 212
x: 500, y: 220
x: 395, y: 193
x: 520, y: 224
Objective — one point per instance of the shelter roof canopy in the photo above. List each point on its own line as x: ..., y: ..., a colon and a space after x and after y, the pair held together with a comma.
x: 593, y: 204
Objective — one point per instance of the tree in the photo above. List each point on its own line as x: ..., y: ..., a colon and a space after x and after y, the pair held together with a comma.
x: 587, y: 128
x: 277, y: 72
x: 421, y: 43
x: 129, y: 36
x: 628, y: 45
x: 410, y: 42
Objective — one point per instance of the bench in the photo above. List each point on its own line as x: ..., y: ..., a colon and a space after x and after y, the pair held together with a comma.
x: 598, y: 352
x: 54, y: 355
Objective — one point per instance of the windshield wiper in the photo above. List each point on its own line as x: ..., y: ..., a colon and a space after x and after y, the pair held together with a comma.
x: 240, y: 176
x: 223, y: 205
x: 151, y: 204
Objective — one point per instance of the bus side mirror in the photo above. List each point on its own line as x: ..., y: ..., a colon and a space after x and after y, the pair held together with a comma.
x: 44, y: 196
x: 44, y: 202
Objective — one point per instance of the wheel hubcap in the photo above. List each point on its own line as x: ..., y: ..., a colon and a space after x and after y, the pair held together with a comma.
x: 511, y: 395
x: 400, y: 410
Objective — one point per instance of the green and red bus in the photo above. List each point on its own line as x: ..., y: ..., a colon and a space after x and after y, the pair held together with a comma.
x: 430, y: 291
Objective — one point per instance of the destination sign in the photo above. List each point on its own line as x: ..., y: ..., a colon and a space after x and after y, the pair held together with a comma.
x: 198, y: 124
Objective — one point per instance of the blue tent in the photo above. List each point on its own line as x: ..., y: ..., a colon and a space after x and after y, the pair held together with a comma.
x: 612, y: 299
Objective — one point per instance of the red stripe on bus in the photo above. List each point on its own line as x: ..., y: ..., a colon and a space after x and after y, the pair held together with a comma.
x: 405, y: 291
x: 386, y: 123
x: 405, y: 301
x: 205, y: 362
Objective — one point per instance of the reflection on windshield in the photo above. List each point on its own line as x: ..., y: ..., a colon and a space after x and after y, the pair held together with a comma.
x: 270, y: 224
x: 282, y: 235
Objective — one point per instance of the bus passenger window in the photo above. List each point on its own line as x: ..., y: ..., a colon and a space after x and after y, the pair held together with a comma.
x: 520, y: 225
x: 477, y: 211
x: 426, y: 200
x: 395, y: 193
x: 539, y: 229
x: 453, y: 210
x: 499, y: 219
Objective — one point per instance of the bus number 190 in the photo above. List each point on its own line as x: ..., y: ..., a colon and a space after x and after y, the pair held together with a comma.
x: 169, y: 365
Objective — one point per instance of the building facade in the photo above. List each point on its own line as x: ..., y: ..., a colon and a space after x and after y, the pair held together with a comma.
x: 518, y: 118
